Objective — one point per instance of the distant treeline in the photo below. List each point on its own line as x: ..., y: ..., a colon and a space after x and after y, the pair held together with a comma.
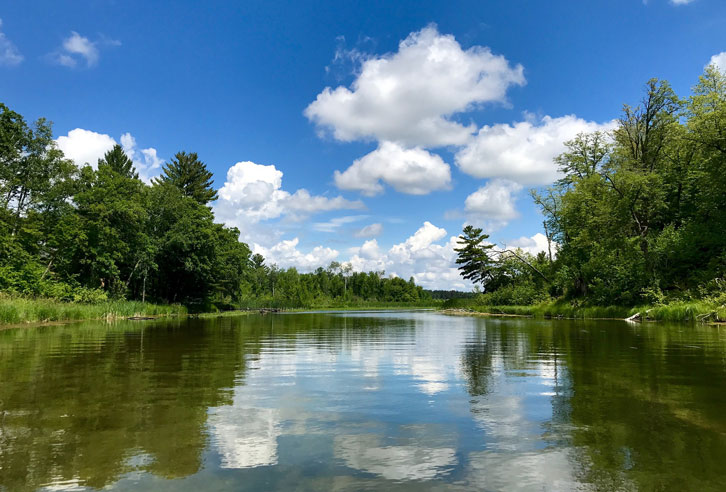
x: 449, y: 294
x: 95, y: 234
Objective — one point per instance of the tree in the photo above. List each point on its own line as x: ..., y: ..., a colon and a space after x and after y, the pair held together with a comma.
x: 191, y: 176
x: 473, y: 256
x: 119, y: 162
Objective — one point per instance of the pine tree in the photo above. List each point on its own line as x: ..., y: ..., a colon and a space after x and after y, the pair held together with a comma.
x: 476, y: 265
x: 119, y: 162
x: 191, y: 176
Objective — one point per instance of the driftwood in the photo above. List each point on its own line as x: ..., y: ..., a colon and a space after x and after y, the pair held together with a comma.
x: 269, y: 310
x: 634, y: 318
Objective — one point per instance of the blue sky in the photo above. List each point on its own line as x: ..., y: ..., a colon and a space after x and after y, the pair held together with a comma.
x: 361, y: 131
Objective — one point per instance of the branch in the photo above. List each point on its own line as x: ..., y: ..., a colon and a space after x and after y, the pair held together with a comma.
x: 513, y: 253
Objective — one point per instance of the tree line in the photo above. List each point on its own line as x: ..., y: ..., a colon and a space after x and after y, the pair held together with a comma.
x: 639, y: 214
x: 89, y: 234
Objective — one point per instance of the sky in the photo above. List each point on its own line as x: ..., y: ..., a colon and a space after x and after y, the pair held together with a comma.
x: 369, y: 131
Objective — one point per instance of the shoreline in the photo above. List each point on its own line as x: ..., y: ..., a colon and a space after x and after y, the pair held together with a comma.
x: 713, y: 315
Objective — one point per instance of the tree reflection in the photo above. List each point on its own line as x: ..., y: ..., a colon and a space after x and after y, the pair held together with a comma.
x: 89, y: 403
x: 635, y: 407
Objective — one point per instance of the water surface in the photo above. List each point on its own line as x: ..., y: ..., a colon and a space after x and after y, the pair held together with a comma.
x: 363, y: 401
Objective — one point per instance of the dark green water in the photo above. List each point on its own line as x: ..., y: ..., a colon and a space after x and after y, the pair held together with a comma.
x: 363, y: 401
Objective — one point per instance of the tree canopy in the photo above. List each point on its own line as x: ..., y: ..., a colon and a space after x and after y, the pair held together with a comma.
x: 639, y: 214
x: 191, y: 176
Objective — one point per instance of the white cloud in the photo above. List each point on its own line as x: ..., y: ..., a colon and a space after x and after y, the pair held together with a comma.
x: 9, y: 54
x: 413, y: 171
x: 409, y: 96
x: 146, y: 161
x: 719, y: 61
x: 420, y: 256
x: 532, y: 245
x: 493, y: 203
x: 87, y: 147
x: 74, y: 49
x: 371, y: 230
x: 285, y: 254
x: 336, y: 223
x: 253, y: 193
x: 681, y: 2
x: 523, y: 152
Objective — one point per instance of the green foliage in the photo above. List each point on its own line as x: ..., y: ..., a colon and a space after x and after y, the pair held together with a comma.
x: 640, y: 217
x: 191, y: 176
x: 79, y: 242
x: 119, y: 162
x: 473, y: 256
x: 14, y: 310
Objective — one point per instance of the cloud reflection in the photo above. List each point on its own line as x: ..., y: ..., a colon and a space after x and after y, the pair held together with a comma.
x: 364, y: 452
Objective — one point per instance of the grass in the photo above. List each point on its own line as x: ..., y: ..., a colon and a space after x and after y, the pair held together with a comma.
x: 336, y: 306
x: 341, y: 305
x: 704, y: 311
x: 15, y: 310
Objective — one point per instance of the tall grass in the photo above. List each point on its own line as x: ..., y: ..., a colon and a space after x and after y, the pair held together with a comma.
x: 14, y: 310
x: 339, y: 304
x: 706, y: 311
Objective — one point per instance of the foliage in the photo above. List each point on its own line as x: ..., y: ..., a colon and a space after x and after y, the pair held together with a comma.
x: 191, y: 176
x: 639, y: 215
x: 473, y: 256
x: 96, y: 237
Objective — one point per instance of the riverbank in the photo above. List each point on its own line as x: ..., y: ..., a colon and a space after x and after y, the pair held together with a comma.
x: 698, y: 311
x: 18, y: 310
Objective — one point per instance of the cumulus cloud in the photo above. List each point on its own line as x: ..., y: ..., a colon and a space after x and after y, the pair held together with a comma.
x: 146, y: 160
x: 413, y: 171
x: 253, y: 193
x: 285, y: 254
x: 523, y: 152
x: 421, y: 256
x: 493, y: 203
x: 87, y: 147
x: 371, y: 230
x: 719, y: 61
x: 409, y: 96
x: 9, y: 54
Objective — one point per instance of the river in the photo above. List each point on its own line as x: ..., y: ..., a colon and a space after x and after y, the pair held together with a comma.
x: 363, y: 401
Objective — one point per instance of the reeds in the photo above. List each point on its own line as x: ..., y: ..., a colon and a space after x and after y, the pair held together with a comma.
x: 15, y: 310
x: 702, y: 311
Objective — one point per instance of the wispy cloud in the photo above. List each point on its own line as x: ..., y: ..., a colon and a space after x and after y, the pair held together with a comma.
x: 9, y: 54
x: 334, y: 224
x: 79, y: 50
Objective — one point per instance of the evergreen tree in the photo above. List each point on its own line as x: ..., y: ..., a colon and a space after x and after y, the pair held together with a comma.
x: 191, y: 176
x: 476, y: 265
x: 119, y: 162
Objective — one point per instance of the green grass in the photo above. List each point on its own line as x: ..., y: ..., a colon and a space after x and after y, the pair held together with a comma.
x: 15, y: 310
x: 705, y: 311
x: 338, y: 304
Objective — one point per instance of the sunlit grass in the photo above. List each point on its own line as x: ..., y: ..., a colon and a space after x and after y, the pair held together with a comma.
x: 674, y: 311
x: 14, y: 310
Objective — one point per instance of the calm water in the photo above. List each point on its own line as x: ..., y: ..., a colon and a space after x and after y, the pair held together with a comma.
x: 363, y: 401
